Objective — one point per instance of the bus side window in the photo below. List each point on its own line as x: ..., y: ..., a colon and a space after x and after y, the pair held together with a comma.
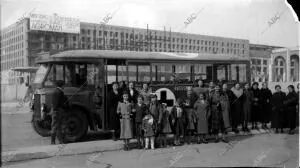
x: 92, y: 72
x: 50, y: 77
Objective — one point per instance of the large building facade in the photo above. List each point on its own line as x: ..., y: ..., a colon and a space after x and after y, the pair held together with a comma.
x: 260, y: 56
x: 20, y: 44
x: 284, y: 65
x: 22, y: 41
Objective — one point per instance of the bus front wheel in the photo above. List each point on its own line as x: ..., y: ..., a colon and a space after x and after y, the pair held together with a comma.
x: 74, y: 126
x: 42, y: 127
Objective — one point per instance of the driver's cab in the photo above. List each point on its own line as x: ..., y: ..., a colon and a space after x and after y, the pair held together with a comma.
x: 81, y: 80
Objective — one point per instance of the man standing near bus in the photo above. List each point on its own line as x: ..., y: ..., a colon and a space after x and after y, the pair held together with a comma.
x: 201, y: 88
x: 59, y: 102
x: 146, y: 92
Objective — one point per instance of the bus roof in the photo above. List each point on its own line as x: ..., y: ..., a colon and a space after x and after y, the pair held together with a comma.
x: 92, y: 55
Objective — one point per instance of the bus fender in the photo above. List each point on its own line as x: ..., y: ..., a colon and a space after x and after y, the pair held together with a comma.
x: 86, y: 111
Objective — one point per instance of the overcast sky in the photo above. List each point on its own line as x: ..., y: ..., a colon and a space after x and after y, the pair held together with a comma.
x: 246, y: 19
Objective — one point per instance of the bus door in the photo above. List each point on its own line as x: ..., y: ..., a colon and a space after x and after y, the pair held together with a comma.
x: 99, y: 94
x: 221, y: 72
x: 114, y: 71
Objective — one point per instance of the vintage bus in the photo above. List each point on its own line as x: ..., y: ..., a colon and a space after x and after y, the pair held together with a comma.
x: 168, y: 75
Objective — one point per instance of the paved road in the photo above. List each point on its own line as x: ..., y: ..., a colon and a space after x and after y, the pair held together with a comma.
x: 261, y: 150
x: 17, y: 131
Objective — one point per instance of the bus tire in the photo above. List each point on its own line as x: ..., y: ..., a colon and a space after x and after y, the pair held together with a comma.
x: 42, y: 127
x: 74, y: 125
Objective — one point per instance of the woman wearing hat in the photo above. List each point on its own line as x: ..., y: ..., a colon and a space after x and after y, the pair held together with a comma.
x: 256, y: 106
x: 277, y: 109
x: 290, y: 108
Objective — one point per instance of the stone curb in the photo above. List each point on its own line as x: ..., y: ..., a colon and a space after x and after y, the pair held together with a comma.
x: 40, y: 152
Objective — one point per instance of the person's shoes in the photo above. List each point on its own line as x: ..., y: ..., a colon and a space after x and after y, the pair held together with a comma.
x: 217, y: 140
x: 53, y: 136
x: 236, y: 131
x: 243, y: 129
x: 266, y: 127
x: 205, y: 141
x: 282, y: 131
x: 225, y: 140
x: 253, y: 127
x: 276, y: 131
x: 114, y: 136
x: 291, y: 132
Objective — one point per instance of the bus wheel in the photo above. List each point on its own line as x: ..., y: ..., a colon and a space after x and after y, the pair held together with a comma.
x: 74, y: 126
x: 42, y: 127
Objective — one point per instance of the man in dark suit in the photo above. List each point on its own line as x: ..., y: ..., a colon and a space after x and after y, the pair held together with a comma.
x: 59, y: 104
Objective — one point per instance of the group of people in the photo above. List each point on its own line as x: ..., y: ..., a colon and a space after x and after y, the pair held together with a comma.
x: 201, y: 111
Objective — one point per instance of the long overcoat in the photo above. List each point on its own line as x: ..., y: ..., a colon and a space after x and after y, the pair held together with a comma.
x: 126, y: 127
x: 202, y: 112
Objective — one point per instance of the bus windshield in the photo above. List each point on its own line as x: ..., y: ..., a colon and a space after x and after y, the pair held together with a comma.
x: 40, y: 74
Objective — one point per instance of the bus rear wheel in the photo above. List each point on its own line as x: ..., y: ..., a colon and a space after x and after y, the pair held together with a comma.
x: 42, y: 127
x: 74, y: 126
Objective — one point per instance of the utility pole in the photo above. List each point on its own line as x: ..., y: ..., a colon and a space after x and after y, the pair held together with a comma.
x: 170, y: 40
x: 147, y: 38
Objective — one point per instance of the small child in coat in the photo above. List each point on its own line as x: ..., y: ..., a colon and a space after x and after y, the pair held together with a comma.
x: 149, y: 130
x: 202, y: 112
x: 140, y: 110
x: 178, y: 121
x: 165, y: 125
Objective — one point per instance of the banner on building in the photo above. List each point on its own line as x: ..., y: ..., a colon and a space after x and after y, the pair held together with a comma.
x: 54, y: 23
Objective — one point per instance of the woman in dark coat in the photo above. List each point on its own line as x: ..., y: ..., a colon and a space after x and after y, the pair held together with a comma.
x: 133, y: 93
x: 178, y: 121
x: 297, y: 107
x: 132, y: 98
x: 164, y: 122
x: 290, y: 108
x: 237, y: 107
x: 218, y: 102
x: 255, y: 111
x: 188, y: 105
x: 265, y: 96
x: 113, y: 99
x: 122, y: 87
x: 277, y: 109
x: 247, y: 107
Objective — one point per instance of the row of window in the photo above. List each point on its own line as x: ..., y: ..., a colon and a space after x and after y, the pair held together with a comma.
x: 12, y: 64
x: 13, y: 55
x: 81, y: 74
x: 12, y: 33
x: 13, y: 40
x: 259, y: 61
x: 151, y: 37
x: 169, y: 72
x: 101, y: 40
x: 159, y: 47
x: 12, y: 48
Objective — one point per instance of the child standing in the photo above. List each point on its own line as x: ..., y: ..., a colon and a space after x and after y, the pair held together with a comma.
x: 178, y: 121
x: 149, y: 130
x: 164, y: 123
x: 140, y: 110
x: 124, y: 109
x: 202, y: 112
